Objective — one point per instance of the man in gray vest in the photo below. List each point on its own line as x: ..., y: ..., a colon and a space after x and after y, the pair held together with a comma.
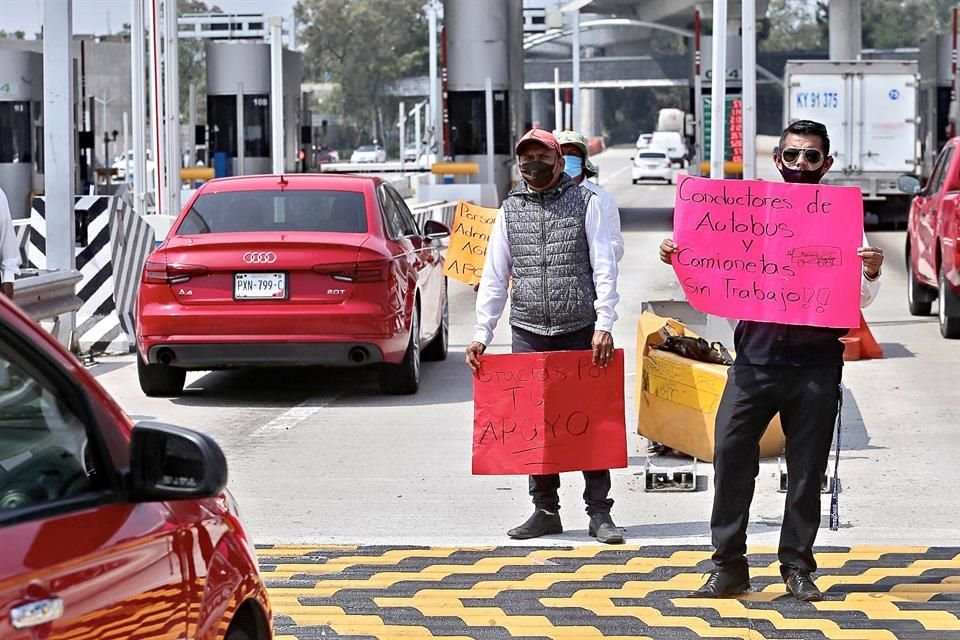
x: 552, y: 241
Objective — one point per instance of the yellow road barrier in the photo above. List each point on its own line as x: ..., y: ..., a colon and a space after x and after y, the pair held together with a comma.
x: 455, y: 168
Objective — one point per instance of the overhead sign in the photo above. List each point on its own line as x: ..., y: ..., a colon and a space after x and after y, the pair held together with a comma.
x: 538, y: 413
x: 770, y: 251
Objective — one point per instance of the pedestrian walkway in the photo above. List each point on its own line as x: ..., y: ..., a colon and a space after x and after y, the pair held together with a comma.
x: 596, y: 591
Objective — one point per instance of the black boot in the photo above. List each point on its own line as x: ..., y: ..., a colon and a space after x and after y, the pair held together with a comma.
x: 723, y: 583
x: 603, y: 529
x: 541, y: 523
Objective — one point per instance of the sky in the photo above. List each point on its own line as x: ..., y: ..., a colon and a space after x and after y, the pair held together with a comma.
x: 101, y: 17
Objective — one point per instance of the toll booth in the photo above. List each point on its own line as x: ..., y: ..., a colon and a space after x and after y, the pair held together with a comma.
x: 21, y: 130
x: 478, y: 47
x: 238, y: 106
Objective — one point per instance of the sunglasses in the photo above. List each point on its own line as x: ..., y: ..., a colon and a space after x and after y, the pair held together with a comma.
x: 791, y: 155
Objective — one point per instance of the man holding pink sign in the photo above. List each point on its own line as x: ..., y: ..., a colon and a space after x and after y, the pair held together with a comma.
x: 787, y: 262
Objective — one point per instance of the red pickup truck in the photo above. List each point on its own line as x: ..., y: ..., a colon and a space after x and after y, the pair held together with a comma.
x: 933, y: 240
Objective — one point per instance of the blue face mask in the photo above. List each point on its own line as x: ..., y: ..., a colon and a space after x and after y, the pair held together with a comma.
x: 572, y: 165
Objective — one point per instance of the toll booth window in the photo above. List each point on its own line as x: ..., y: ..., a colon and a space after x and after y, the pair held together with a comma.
x: 301, y: 210
x: 15, y: 132
x: 256, y: 126
x: 468, y: 123
x: 222, y: 124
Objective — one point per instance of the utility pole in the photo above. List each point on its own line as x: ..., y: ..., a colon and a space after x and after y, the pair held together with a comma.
x: 276, y: 93
x: 718, y: 91
x: 137, y: 83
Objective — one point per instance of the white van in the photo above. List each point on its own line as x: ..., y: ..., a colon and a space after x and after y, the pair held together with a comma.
x: 670, y: 142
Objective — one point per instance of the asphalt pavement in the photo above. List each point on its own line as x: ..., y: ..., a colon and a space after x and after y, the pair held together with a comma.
x: 319, y: 457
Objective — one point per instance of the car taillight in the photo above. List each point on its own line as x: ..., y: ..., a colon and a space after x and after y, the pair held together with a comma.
x: 160, y: 273
x: 374, y: 271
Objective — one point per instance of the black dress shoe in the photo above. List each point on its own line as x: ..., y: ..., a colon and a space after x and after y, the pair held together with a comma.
x: 539, y: 524
x: 802, y: 587
x: 723, y: 584
x: 602, y: 528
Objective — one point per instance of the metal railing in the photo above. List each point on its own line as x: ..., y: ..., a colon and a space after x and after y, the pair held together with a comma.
x: 46, y: 294
x: 439, y: 210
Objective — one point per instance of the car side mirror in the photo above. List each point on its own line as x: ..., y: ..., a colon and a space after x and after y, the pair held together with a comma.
x: 173, y: 463
x: 909, y: 184
x: 435, y: 230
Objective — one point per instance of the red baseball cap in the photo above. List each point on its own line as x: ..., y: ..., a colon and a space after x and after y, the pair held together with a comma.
x: 540, y: 136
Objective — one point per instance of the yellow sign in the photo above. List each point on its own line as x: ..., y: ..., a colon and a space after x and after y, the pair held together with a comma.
x: 468, y: 242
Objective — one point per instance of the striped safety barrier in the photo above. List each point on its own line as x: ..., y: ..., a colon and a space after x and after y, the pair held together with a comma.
x: 111, y: 246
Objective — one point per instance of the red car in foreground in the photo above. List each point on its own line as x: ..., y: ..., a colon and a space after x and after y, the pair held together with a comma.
x: 110, y: 530
x: 933, y: 241
x: 293, y: 270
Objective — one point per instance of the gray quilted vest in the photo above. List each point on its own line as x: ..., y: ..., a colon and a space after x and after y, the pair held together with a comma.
x: 552, y: 291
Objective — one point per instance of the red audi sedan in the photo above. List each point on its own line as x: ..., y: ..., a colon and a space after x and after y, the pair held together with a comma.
x: 110, y: 529
x: 293, y: 270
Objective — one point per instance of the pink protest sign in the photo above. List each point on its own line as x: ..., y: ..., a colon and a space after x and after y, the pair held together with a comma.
x: 769, y: 251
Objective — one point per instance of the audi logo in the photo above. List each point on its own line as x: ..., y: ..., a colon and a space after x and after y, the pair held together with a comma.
x: 259, y: 257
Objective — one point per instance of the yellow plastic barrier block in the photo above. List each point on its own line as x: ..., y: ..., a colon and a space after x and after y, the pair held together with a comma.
x: 455, y: 168
x: 730, y: 168
x: 678, y: 398
x: 197, y: 173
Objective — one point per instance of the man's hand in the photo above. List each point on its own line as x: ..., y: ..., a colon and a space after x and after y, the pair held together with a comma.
x: 7, y: 289
x: 667, y: 248
x: 872, y: 260
x: 602, y: 348
x: 474, y: 351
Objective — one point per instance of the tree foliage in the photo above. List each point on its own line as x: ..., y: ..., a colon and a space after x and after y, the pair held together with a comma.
x: 888, y: 24
x: 793, y: 26
x: 362, y: 45
x: 192, y: 62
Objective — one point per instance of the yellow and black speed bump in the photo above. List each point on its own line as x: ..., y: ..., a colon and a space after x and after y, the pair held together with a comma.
x: 375, y: 592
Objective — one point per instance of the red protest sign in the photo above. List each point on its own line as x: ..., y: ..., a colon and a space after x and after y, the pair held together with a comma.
x: 538, y: 413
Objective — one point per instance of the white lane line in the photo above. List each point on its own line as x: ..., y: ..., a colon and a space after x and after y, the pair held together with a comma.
x: 293, y: 417
x: 607, y: 179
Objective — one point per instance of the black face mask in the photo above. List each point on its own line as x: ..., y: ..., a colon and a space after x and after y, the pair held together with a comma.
x: 537, y: 174
x: 810, y: 176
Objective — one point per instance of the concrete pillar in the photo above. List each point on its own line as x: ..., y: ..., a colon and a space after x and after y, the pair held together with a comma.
x: 518, y: 106
x: 59, y: 150
x: 845, y: 29
x: 591, y: 106
x: 541, y: 114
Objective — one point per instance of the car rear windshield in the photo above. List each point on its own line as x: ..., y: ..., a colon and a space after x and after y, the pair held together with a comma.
x: 653, y: 156
x: 330, y: 211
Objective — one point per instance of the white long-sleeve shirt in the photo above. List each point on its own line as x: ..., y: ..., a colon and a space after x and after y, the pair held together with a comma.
x: 611, y: 212
x: 868, y: 288
x: 9, y: 248
x: 498, y: 267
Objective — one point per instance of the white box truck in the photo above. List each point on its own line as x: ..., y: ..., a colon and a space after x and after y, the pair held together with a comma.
x: 870, y: 110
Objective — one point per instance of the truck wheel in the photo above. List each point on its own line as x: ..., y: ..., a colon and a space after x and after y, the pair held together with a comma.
x: 159, y: 380
x: 949, y: 325
x: 919, y: 297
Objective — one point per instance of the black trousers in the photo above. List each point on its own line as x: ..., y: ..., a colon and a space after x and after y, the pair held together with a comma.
x: 807, y: 399
x: 543, y: 488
